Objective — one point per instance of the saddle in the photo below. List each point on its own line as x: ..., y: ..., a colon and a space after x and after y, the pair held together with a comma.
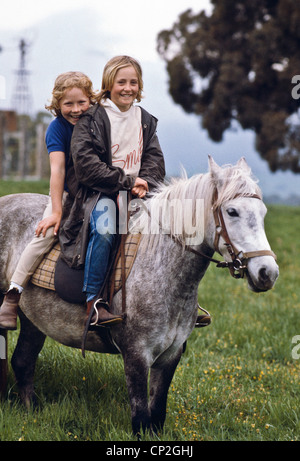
x: 54, y: 274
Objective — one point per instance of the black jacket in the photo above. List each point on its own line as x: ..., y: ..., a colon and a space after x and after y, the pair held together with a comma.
x: 91, y: 173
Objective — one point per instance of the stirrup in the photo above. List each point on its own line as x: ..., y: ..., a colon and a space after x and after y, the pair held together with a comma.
x: 104, y: 304
x: 107, y: 322
x: 203, y: 320
x: 97, y: 316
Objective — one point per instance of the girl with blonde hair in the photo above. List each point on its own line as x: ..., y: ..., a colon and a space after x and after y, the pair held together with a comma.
x: 114, y: 148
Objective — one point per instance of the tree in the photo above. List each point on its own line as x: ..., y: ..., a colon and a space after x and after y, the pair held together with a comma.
x: 241, y: 63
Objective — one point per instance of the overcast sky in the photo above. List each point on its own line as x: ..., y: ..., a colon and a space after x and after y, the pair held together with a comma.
x: 83, y: 34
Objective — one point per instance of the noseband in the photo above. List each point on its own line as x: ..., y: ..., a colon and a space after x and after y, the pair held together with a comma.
x: 239, y: 259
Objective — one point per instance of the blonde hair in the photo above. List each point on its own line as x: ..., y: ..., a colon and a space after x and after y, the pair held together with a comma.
x: 66, y: 81
x: 109, y: 75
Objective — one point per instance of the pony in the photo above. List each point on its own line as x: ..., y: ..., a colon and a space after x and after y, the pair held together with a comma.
x: 182, y: 225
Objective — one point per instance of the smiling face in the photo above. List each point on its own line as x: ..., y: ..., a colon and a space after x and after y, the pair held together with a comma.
x: 125, y: 88
x: 73, y: 104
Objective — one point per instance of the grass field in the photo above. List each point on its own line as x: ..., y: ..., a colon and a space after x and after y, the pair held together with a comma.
x: 238, y: 379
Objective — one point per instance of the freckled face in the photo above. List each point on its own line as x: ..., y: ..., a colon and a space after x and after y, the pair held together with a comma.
x: 125, y: 88
x: 73, y: 104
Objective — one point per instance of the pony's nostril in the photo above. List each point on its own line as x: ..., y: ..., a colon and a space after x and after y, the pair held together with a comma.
x: 263, y: 275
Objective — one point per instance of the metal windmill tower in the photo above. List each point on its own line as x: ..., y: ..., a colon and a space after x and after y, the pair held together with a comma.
x: 22, y: 99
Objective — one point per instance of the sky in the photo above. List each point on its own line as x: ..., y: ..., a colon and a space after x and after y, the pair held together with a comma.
x: 83, y: 35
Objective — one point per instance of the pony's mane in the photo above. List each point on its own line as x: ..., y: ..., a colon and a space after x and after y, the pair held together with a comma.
x: 233, y: 181
x: 183, y: 199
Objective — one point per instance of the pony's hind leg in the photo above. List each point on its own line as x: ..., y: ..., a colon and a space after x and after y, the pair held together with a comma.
x: 161, y: 376
x: 30, y: 343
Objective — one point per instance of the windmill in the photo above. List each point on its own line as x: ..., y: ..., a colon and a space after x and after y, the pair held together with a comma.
x: 22, y: 99
x: 21, y: 103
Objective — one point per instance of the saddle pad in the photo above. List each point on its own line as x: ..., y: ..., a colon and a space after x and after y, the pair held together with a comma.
x: 44, y: 274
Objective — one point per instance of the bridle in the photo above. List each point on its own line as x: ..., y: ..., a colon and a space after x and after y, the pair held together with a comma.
x: 239, y: 259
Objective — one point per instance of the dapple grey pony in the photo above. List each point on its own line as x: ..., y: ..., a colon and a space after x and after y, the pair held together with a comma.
x: 177, y: 245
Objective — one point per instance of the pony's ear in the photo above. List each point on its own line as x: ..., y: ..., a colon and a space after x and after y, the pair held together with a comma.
x: 214, y: 168
x: 244, y: 165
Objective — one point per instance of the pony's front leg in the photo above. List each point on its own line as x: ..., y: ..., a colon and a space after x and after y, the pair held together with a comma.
x: 160, y: 379
x: 136, y: 372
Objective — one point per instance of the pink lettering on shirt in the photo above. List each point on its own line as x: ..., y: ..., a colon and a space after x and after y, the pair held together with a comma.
x: 130, y: 160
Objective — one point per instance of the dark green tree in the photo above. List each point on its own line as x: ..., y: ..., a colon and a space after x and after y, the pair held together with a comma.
x: 240, y: 63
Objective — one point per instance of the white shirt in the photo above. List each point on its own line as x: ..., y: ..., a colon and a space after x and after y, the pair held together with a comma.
x: 126, y: 137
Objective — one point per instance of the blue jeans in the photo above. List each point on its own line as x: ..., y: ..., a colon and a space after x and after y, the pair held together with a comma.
x: 102, y: 235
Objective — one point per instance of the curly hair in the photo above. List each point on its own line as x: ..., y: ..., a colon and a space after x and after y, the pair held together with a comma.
x: 66, y: 81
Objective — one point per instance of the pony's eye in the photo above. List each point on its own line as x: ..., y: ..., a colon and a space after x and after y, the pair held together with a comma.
x: 232, y: 212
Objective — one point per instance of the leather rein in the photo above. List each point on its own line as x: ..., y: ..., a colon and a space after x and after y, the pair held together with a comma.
x: 239, y: 259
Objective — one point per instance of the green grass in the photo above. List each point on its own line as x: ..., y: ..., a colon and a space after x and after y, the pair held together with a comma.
x: 236, y: 381
x: 13, y: 187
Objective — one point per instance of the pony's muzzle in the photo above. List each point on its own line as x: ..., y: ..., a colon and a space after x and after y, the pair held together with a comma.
x: 264, y: 277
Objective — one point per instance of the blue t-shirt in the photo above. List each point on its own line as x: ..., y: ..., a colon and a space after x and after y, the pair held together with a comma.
x: 58, y: 138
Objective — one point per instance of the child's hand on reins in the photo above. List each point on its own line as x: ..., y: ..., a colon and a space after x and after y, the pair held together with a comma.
x: 140, y: 188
